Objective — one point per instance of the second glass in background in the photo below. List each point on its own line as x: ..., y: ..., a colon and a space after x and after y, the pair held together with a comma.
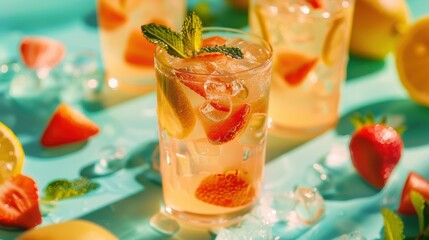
x: 128, y: 57
x: 310, y: 43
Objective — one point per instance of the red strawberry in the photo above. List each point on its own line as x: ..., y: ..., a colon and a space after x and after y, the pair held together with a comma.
x: 294, y: 67
x: 417, y: 183
x: 375, y: 150
x: 66, y: 126
x: 225, y: 189
x: 226, y: 130
x: 316, y: 3
x: 19, y: 203
x: 37, y: 52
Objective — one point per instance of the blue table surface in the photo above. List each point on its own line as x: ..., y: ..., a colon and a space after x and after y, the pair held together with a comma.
x: 127, y: 199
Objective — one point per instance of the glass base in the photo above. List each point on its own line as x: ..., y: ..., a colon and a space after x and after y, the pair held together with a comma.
x: 208, y: 221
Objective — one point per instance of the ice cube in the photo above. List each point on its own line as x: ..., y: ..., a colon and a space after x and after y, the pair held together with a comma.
x: 216, y: 111
x: 280, y: 203
x: 239, y: 90
x: 251, y: 228
x: 356, y: 235
x: 310, y: 206
x: 255, y: 131
x: 202, y: 152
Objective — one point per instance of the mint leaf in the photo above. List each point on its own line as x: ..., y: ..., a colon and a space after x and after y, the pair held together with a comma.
x: 419, y: 204
x: 60, y: 189
x: 192, y: 32
x: 233, y: 52
x: 393, y: 225
x: 166, y: 38
x: 425, y: 231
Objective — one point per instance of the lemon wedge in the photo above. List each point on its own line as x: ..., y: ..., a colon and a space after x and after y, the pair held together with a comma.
x: 334, y: 41
x: 175, y: 112
x: 11, y: 154
x: 412, y: 60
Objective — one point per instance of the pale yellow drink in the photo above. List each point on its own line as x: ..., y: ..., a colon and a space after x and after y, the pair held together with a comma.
x: 127, y: 55
x: 212, y: 112
x: 310, y: 57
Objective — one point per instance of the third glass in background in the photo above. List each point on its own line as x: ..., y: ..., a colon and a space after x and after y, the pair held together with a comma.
x: 310, y: 42
x: 127, y: 56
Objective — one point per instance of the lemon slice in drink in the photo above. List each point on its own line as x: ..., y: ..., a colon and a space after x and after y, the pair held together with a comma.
x: 333, y: 41
x: 412, y: 61
x: 175, y: 112
x: 11, y: 154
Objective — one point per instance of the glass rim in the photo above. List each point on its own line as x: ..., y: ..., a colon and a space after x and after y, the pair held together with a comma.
x: 264, y: 44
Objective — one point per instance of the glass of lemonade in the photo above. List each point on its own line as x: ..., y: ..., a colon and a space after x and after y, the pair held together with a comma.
x: 212, y: 114
x: 310, y: 39
x: 127, y: 55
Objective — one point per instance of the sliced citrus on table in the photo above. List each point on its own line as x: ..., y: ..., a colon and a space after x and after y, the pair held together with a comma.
x: 412, y: 61
x: 175, y: 112
x: 11, y: 154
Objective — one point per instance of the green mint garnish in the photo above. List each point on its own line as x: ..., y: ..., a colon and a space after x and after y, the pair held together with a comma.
x: 419, y: 204
x: 393, y: 225
x: 232, y: 52
x: 192, y: 32
x: 166, y: 38
x: 186, y: 43
x: 60, y: 189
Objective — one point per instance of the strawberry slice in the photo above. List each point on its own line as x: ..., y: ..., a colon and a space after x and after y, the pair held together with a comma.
x: 417, y: 183
x: 19, y: 203
x: 316, y: 3
x: 214, y: 41
x: 37, y: 52
x: 226, y: 130
x: 294, y: 67
x: 111, y: 14
x: 67, y: 126
x: 225, y: 190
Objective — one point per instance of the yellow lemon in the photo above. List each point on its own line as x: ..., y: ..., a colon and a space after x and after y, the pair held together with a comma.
x: 175, y: 112
x: 412, y: 60
x: 11, y: 154
x: 333, y: 41
x: 376, y: 27
x: 69, y: 230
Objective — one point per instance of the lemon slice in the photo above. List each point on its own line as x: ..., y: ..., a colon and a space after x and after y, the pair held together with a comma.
x: 262, y: 22
x: 175, y: 112
x: 11, y: 154
x: 412, y: 61
x: 334, y: 41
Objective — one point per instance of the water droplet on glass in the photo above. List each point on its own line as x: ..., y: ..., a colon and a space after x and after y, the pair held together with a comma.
x: 164, y: 224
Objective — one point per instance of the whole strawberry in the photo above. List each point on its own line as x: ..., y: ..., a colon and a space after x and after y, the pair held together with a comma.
x: 375, y: 149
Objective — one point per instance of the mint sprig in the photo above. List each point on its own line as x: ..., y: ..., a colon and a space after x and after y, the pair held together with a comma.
x: 62, y: 188
x: 393, y: 225
x: 188, y: 42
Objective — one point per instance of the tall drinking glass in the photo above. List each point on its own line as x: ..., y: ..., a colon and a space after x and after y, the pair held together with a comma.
x: 127, y: 55
x: 310, y: 41
x: 212, y: 114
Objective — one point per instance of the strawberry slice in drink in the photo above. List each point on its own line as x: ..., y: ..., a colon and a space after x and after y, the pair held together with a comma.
x: 111, y: 14
x: 227, y: 129
x: 37, y: 52
x: 294, y: 67
x: 19, y: 203
x: 316, y: 3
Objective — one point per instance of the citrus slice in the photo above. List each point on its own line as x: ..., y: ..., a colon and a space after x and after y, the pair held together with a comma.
x: 412, y: 60
x: 262, y: 22
x: 175, y: 112
x: 11, y: 154
x: 334, y: 41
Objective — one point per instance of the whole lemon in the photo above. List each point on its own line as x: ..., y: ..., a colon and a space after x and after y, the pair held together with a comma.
x: 69, y: 230
x: 376, y: 27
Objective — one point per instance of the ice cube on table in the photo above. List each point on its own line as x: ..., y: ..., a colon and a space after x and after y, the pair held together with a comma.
x: 251, y: 228
x: 310, y: 206
x: 356, y: 235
